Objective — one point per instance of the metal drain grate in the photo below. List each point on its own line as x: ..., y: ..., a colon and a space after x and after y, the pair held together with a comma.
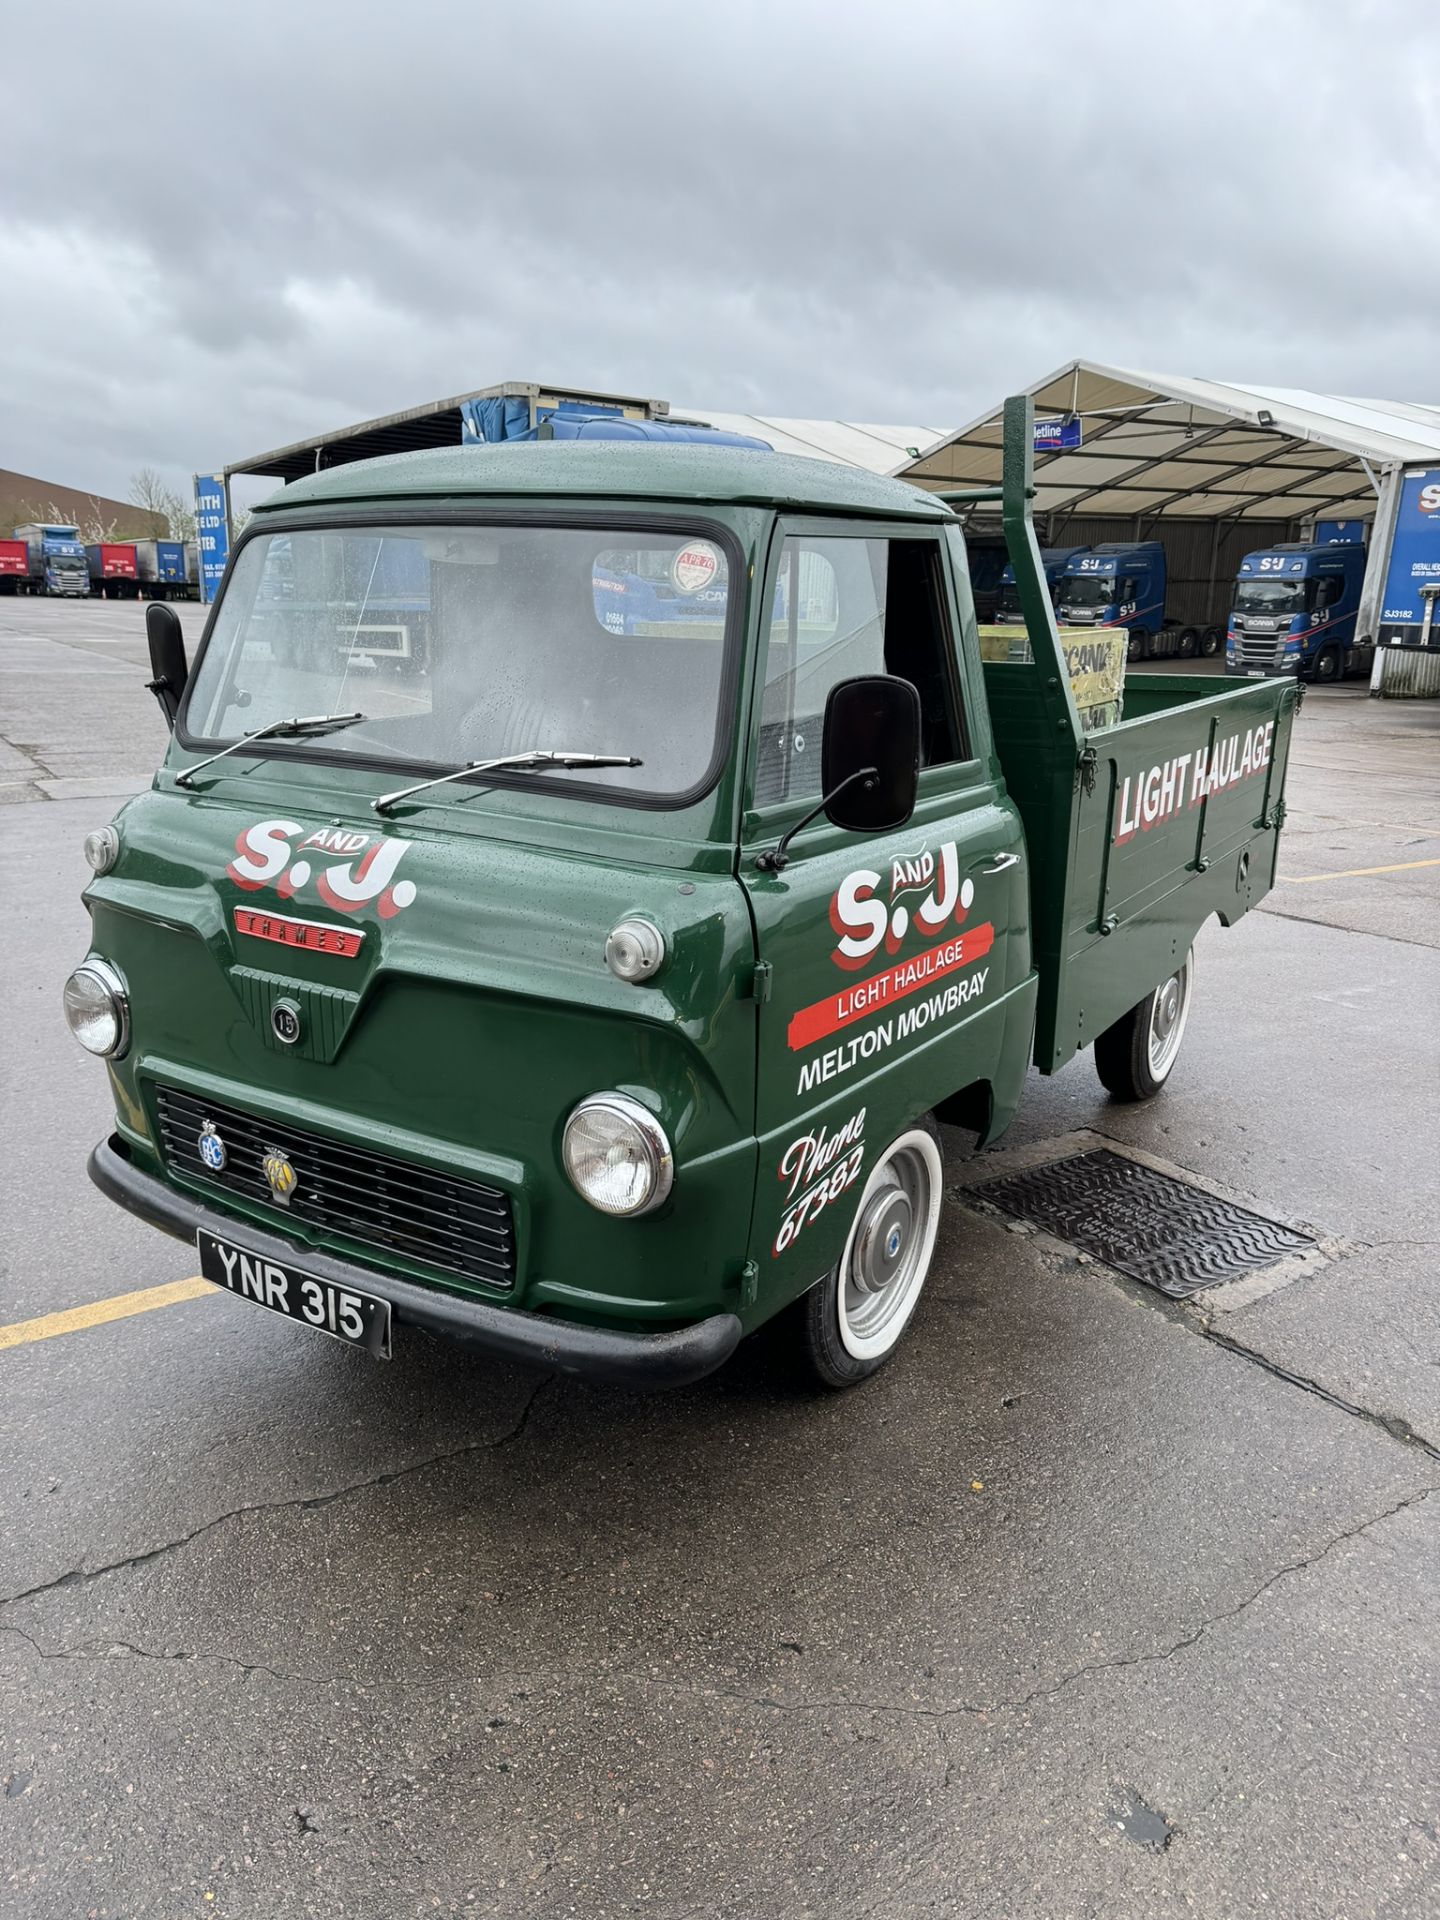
x: 1157, y: 1229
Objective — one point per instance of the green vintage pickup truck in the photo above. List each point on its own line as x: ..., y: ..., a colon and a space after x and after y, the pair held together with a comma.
x: 581, y: 876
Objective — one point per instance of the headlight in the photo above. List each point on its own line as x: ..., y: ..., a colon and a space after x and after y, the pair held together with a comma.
x: 617, y: 1156
x: 97, y: 1009
x: 102, y: 849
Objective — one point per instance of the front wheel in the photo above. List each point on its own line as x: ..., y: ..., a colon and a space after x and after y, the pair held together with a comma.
x: 851, y: 1323
x: 1326, y: 669
x: 1135, y: 648
x: 1134, y: 1057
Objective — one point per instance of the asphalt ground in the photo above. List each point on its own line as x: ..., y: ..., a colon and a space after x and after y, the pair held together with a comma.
x: 1091, y: 1604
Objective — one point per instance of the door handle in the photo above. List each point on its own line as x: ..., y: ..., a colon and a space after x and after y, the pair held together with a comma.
x: 1002, y: 861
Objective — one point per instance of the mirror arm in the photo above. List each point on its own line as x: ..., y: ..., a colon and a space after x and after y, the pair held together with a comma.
x: 164, y: 692
x: 775, y: 859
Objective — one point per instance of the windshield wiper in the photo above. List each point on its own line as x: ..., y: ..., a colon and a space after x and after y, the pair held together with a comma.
x: 277, y: 729
x: 535, y: 757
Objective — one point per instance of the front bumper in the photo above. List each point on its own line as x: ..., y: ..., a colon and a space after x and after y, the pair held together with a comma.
x: 643, y: 1361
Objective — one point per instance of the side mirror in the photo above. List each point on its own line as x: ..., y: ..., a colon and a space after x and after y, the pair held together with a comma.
x: 870, y: 753
x: 167, y: 658
x: 869, y: 761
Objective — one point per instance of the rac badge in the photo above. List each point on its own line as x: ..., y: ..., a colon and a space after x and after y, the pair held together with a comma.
x: 280, y: 1176
x: 212, y: 1147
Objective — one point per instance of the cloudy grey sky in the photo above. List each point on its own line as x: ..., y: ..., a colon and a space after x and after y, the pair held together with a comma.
x: 223, y: 228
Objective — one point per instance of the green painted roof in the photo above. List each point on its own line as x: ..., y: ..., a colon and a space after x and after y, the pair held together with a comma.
x: 613, y: 469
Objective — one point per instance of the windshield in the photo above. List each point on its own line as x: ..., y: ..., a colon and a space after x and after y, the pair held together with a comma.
x: 463, y: 643
x: 1270, y: 596
x: 1089, y: 590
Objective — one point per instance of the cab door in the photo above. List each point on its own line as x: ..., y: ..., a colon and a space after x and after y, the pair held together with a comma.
x: 880, y: 955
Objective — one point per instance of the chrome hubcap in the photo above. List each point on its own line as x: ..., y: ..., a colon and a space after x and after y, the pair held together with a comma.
x: 1168, y: 1012
x: 884, y: 1233
x: 889, y: 1250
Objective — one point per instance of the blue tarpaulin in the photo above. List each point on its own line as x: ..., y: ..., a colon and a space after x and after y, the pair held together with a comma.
x: 509, y: 420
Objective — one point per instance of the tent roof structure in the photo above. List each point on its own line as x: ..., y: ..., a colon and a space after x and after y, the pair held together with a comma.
x: 874, y: 449
x: 1161, y: 444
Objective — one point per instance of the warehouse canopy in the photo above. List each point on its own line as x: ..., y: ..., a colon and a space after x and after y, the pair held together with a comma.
x: 442, y: 423
x: 1153, y: 444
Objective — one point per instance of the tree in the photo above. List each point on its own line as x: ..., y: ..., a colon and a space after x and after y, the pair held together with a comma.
x: 149, y: 492
x: 91, y: 524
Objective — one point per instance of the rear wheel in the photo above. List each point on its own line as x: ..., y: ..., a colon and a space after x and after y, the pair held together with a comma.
x: 1134, y: 1057
x: 851, y: 1323
x: 1211, y: 642
x: 1327, y: 663
x: 1189, y: 642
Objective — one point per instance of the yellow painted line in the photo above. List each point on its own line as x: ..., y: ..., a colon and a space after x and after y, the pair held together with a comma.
x: 1354, y: 873
x: 23, y: 1333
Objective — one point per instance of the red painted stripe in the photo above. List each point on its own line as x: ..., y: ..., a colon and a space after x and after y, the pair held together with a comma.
x: 865, y: 997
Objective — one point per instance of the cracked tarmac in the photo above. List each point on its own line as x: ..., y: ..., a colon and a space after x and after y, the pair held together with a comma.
x: 1090, y: 1605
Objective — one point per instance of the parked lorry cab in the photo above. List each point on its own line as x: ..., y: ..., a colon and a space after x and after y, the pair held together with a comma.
x: 114, y: 574
x: 1053, y: 562
x: 14, y: 566
x: 1295, y: 612
x: 1120, y: 585
x: 592, y: 996
x: 56, y: 555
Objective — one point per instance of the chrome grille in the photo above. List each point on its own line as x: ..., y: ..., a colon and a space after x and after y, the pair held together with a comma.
x: 458, y: 1226
x: 1260, y: 650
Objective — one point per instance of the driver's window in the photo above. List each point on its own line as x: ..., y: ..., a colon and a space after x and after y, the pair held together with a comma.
x: 847, y: 606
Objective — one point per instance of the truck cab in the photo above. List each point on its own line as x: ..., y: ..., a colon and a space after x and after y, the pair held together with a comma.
x: 57, y: 558
x: 1053, y: 560
x: 589, y: 995
x: 1295, y: 612
x: 1114, y: 585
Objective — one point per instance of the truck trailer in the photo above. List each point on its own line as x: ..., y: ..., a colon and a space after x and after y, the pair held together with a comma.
x: 1295, y: 612
x: 160, y: 569
x: 113, y: 573
x: 14, y: 566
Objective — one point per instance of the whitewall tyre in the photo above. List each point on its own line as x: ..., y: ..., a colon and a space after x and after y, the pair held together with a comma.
x: 1134, y: 1058
x: 854, y: 1319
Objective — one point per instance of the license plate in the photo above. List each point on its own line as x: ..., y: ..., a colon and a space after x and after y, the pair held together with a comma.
x: 1255, y: 673
x: 356, y: 1319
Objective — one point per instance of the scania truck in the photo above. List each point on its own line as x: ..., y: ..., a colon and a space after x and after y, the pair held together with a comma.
x: 592, y: 997
x: 1295, y: 612
x: 1120, y: 585
x: 1053, y: 560
x: 57, y: 558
